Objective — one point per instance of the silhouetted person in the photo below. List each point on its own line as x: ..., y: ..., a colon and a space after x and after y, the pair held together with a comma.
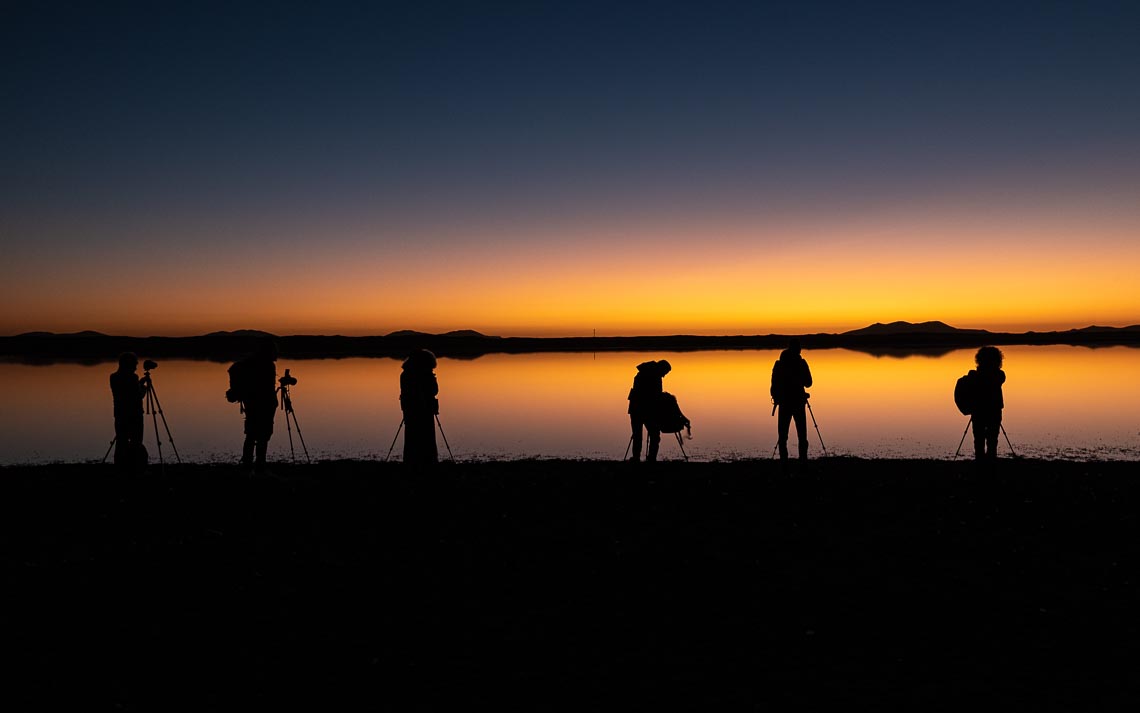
x: 418, y: 391
x: 253, y: 382
x: 644, y: 400
x: 790, y: 376
x: 128, y: 391
x: 988, y: 402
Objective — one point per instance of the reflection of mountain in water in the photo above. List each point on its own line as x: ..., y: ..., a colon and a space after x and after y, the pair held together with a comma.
x: 895, y: 339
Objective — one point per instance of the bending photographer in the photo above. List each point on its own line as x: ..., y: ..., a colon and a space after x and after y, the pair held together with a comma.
x: 644, y: 401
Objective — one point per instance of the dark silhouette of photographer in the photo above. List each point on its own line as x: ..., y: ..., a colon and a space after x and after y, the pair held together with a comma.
x: 253, y: 384
x: 418, y: 391
x: 988, y: 401
x: 128, y: 391
x: 790, y: 377
x: 644, y: 401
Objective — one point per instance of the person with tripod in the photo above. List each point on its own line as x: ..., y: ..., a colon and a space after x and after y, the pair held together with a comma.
x: 986, y: 382
x: 644, y: 400
x: 128, y: 391
x: 790, y: 376
x: 418, y: 391
x: 253, y: 384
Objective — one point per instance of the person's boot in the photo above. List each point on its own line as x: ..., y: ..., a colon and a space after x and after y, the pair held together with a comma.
x: 259, y: 466
x: 247, y: 455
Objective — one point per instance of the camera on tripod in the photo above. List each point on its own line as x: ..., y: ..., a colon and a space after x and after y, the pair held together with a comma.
x: 150, y: 364
x: 287, y: 380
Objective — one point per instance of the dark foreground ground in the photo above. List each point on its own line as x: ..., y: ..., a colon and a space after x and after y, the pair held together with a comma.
x: 578, y: 586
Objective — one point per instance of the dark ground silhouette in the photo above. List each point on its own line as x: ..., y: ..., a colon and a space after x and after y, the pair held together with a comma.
x: 574, y: 586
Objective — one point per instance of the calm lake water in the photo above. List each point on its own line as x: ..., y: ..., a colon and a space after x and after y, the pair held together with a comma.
x: 1061, y: 402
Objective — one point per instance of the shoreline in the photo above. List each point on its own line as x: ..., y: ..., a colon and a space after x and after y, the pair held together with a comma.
x: 47, y: 349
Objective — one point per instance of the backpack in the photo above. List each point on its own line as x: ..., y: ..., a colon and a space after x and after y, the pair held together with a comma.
x: 239, y: 382
x: 966, y: 393
x: 668, y: 417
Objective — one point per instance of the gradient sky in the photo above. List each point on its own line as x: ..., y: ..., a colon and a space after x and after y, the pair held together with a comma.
x: 536, y: 168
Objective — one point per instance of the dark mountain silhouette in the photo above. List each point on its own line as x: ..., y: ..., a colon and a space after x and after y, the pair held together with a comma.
x: 86, y: 334
x: 934, y: 327
x: 1096, y: 328
x: 466, y: 333
x: 243, y: 333
x: 894, y: 339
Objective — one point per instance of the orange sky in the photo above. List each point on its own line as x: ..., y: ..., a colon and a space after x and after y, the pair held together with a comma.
x: 999, y: 270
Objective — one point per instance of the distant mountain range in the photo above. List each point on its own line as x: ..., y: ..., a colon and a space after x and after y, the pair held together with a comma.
x: 912, y: 328
x: 894, y: 338
x: 405, y: 333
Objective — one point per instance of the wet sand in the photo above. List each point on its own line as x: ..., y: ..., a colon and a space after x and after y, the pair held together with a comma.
x: 544, y: 585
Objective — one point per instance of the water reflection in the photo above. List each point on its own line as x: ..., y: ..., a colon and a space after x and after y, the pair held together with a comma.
x: 1060, y: 402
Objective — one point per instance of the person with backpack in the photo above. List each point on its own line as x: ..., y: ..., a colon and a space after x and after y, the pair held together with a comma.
x: 644, y: 403
x: 790, y: 376
x: 986, y: 401
x: 127, y: 391
x: 418, y: 391
x: 253, y: 384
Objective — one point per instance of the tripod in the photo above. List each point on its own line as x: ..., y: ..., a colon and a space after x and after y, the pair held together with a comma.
x: 154, y: 408
x: 1001, y: 426
x: 401, y: 426
x: 813, y: 422
x: 680, y: 442
x: 287, y: 407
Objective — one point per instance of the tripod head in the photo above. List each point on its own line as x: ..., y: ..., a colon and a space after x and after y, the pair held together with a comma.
x: 147, y: 366
x: 286, y: 381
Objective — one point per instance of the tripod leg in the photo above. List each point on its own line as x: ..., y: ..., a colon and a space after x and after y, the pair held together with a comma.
x: 449, y: 453
x: 152, y: 409
x: 394, y: 439
x: 627, y: 447
x: 289, y: 430
x: 164, y: 423
x: 681, y: 443
x: 963, y: 437
x: 1007, y: 441
x: 303, y: 446
x: 813, y: 422
x: 109, y: 448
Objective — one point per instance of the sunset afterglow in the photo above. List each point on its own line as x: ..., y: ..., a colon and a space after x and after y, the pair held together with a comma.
x: 554, y: 171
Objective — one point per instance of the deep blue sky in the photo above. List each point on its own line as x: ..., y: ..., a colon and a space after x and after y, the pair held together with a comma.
x: 127, y: 125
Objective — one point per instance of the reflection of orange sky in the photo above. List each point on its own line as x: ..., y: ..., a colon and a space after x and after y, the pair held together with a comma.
x: 699, y: 277
x: 570, y: 404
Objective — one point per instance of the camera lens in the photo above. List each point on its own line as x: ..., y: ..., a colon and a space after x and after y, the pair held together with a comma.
x: 150, y: 364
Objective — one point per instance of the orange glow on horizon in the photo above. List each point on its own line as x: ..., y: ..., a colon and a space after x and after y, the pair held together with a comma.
x: 631, y: 279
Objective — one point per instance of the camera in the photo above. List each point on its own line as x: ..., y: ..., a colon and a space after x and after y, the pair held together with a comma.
x: 150, y: 364
x: 287, y: 380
